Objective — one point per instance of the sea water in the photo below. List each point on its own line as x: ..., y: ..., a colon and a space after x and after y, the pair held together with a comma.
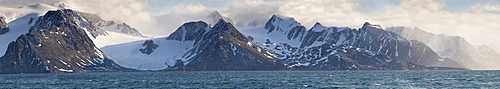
x: 257, y: 79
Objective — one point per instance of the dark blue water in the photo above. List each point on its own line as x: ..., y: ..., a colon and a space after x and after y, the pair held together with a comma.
x: 258, y: 79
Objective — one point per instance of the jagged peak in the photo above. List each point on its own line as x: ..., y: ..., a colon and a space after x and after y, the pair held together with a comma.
x: 281, y: 23
x: 220, y: 22
x: 368, y: 25
x: 194, y: 22
x: 318, y: 25
x: 282, y: 18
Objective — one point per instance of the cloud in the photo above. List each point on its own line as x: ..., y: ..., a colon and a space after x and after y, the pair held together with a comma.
x: 328, y: 12
x: 132, y: 12
x: 170, y: 21
x: 251, y: 12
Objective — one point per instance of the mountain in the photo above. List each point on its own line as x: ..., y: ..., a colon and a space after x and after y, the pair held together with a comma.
x: 454, y: 47
x: 215, y: 16
x: 336, y: 57
x: 108, y: 25
x: 196, y: 46
x: 58, y: 42
x: 224, y: 48
x: 4, y: 28
x: 285, y: 29
x: 369, y: 37
x: 157, y: 53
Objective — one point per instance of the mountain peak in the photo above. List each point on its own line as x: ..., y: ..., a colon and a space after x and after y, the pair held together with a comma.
x: 318, y: 27
x: 282, y: 18
x: 189, y: 31
x: 221, y: 21
x: 281, y: 24
x: 222, y: 24
x: 368, y: 25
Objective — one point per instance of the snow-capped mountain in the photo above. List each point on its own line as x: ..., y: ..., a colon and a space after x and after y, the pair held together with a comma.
x: 4, y: 28
x: 72, y: 41
x: 58, y: 42
x: 223, y: 47
x: 454, y: 47
x: 369, y: 37
x: 145, y: 55
x: 197, y: 46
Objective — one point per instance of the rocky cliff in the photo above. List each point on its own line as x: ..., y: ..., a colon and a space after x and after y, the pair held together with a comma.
x: 4, y: 28
x: 58, y: 42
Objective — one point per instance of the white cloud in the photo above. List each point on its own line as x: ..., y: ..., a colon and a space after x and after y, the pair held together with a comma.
x: 251, y: 11
x: 132, y: 12
x: 328, y: 12
x: 170, y: 21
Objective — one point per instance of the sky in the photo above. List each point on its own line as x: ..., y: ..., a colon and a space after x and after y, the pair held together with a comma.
x: 475, y: 20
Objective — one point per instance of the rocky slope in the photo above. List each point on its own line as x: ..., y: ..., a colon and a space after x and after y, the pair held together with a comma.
x: 224, y: 48
x: 58, y: 42
x: 454, y: 47
x: 4, y: 28
x: 336, y: 57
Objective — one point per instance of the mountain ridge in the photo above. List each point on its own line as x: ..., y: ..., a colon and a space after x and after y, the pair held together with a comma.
x: 56, y: 44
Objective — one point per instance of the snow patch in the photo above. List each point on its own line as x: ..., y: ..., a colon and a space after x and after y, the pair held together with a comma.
x: 64, y: 70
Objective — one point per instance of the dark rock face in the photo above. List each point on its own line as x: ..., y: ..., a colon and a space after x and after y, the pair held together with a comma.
x: 55, y: 44
x: 224, y: 48
x: 4, y: 28
x: 189, y: 31
x: 149, y: 47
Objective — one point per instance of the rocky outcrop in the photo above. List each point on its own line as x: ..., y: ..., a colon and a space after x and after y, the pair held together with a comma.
x: 224, y: 48
x: 56, y: 44
x: 149, y: 47
x: 4, y: 28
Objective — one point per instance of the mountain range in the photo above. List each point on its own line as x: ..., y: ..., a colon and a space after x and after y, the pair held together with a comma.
x: 68, y: 41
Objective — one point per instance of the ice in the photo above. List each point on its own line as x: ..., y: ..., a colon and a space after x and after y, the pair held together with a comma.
x: 129, y: 55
